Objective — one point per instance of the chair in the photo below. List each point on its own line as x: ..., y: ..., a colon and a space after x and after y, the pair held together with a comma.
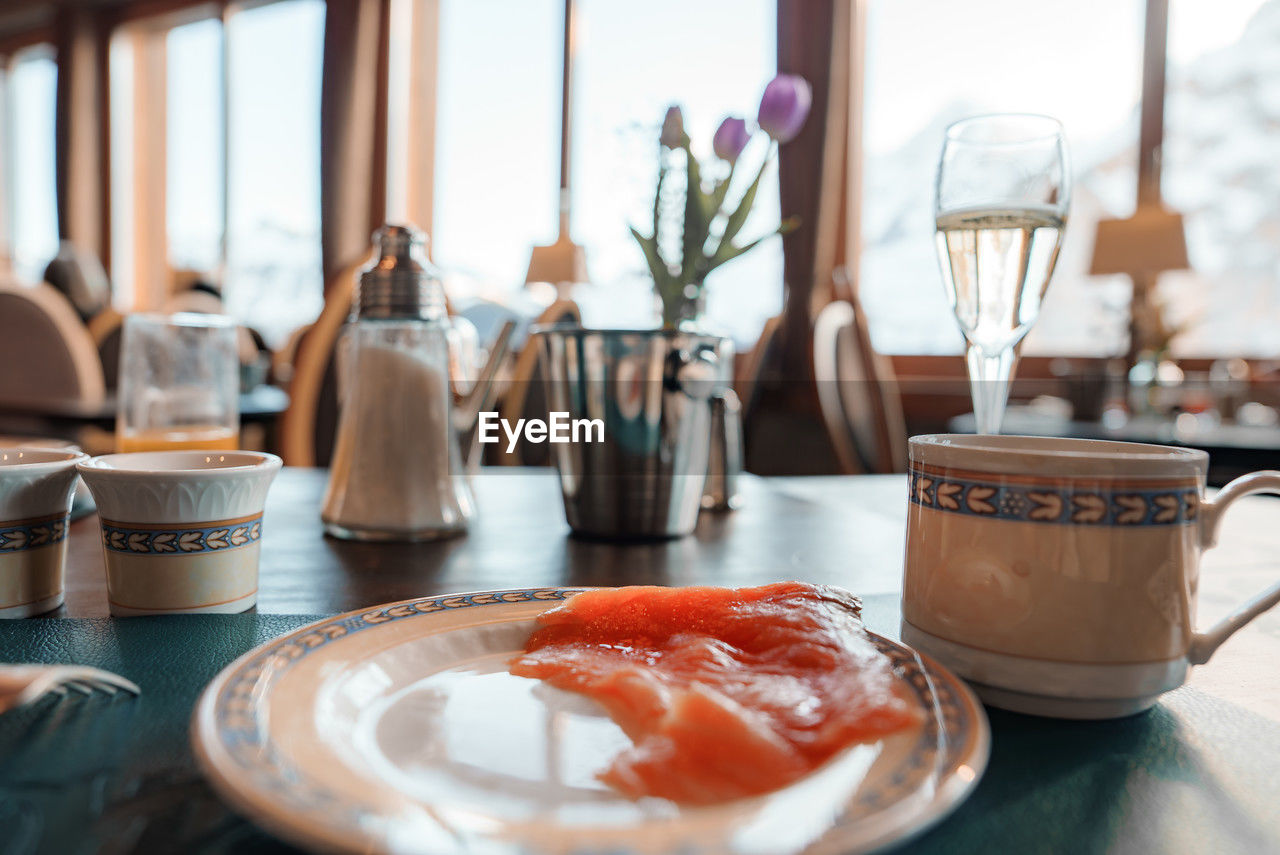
x: 751, y: 364
x: 525, y: 396
x: 857, y: 390
x: 46, y: 353
x: 309, y: 426
x: 78, y: 275
x: 106, y: 328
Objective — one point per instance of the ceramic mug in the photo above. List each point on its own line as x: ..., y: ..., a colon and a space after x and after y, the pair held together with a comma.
x: 1059, y: 576
x: 36, y: 485
x: 181, y: 529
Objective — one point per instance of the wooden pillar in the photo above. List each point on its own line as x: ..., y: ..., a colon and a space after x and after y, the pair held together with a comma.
x: 1150, y: 153
x: 82, y: 157
x: 353, y: 131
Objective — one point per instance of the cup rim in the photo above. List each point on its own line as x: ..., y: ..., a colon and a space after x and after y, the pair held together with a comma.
x: 1045, y: 128
x: 186, y: 464
x: 42, y: 459
x: 1107, y: 449
x: 1056, y: 457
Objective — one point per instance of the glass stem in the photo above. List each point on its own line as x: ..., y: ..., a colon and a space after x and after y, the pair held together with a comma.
x: 989, y: 376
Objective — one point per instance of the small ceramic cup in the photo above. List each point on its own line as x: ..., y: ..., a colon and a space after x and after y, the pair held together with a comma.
x: 1059, y: 575
x: 181, y: 529
x: 36, y: 485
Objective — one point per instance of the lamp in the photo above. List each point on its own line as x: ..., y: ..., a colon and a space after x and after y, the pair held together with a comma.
x: 560, y: 263
x: 564, y: 262
x: 1151, y: 241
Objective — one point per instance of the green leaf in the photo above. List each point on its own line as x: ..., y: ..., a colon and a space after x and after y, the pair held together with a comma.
x: 657, y: 195
x: 721, y: 190
x: 728, y: 252
x: 697, y: 222
x: 738, y: 218
x: 657, y: 267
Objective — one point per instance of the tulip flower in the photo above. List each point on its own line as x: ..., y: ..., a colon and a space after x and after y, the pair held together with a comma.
x: 784, y: 106
x: 684, y: 248
x: 673, y: 128
x: 731, y: 138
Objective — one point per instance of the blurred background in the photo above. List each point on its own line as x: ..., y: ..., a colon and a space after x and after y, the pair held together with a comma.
x: 246, y: 150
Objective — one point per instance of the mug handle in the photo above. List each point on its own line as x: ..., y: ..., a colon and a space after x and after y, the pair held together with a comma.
x: 1203, y: 644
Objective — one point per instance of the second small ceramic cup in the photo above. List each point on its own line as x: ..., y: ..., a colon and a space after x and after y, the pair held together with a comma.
x: 181, y: 529
x: 35, y: 500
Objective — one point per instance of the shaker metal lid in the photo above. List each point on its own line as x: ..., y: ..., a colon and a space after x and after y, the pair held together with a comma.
x: 401, y: 283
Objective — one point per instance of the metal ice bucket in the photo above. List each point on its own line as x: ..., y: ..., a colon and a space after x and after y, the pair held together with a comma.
x: 650, y: 388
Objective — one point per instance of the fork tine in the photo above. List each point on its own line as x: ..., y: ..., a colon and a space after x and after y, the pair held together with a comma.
x: 114, y: 683
x: 97, y: 678
x: 25, y: 685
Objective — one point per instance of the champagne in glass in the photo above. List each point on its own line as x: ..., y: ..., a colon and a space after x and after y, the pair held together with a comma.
x: 1001, y: 209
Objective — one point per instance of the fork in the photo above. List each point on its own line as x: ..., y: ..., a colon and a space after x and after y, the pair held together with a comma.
x: 23, y: 685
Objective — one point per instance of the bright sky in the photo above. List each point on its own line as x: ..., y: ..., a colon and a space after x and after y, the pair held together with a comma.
x: 1077, y: 60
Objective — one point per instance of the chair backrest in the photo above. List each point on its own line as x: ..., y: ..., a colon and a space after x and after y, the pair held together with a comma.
x: 46, y: 352
x: 106, y: 329
x: 525, y: 395
x: 751, y: 364
x: 858, y: 392
x: 78, y: 275
x: 309, y: 426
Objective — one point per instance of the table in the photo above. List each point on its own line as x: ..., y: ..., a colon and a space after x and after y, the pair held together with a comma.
x: 262, y: 405
x: 1198, y: 773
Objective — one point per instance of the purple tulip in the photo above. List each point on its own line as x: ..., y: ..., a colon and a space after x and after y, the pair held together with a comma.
x: 673, y: 128
x: 784, y: 106
x: 731, y: 138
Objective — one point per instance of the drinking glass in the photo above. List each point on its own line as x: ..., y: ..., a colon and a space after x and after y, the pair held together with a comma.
x: 1003, y: 189
x: 179, y: 383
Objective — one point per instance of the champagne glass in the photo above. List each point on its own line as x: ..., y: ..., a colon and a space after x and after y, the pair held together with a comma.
x: 1003, y: 189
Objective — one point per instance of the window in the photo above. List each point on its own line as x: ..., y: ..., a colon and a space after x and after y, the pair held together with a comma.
x: 273, y: 272
x: 194, y: 153
x: 929, y: 64
x: 497, y: 155
x: 238, y: 200
x: 1222, y: 172
x: 497, y: 136
x: 32, y: 213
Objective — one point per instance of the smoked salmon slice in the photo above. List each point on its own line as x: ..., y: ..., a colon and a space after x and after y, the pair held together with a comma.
x: 724, y: 692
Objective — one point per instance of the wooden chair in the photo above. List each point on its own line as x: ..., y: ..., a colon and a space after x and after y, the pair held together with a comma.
x: 751, y: 363
x: 309, y: 426
x: 105, y: 328
x: 525, y: 396
x: 857, y: 390
x: 46, y: 352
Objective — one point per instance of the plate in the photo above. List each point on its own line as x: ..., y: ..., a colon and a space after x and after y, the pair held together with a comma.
x: 398, y: 729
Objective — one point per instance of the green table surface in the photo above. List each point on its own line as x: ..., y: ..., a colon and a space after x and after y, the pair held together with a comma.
x: 1198, y: 773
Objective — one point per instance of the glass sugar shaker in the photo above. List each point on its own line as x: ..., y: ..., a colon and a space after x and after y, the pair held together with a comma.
x: 397, y: 471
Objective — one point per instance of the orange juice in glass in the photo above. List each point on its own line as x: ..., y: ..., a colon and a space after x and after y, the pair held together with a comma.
x: 186, y: 438
x: 179, y: 384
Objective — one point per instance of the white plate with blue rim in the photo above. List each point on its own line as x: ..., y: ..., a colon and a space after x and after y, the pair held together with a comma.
x: 397, y: 729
